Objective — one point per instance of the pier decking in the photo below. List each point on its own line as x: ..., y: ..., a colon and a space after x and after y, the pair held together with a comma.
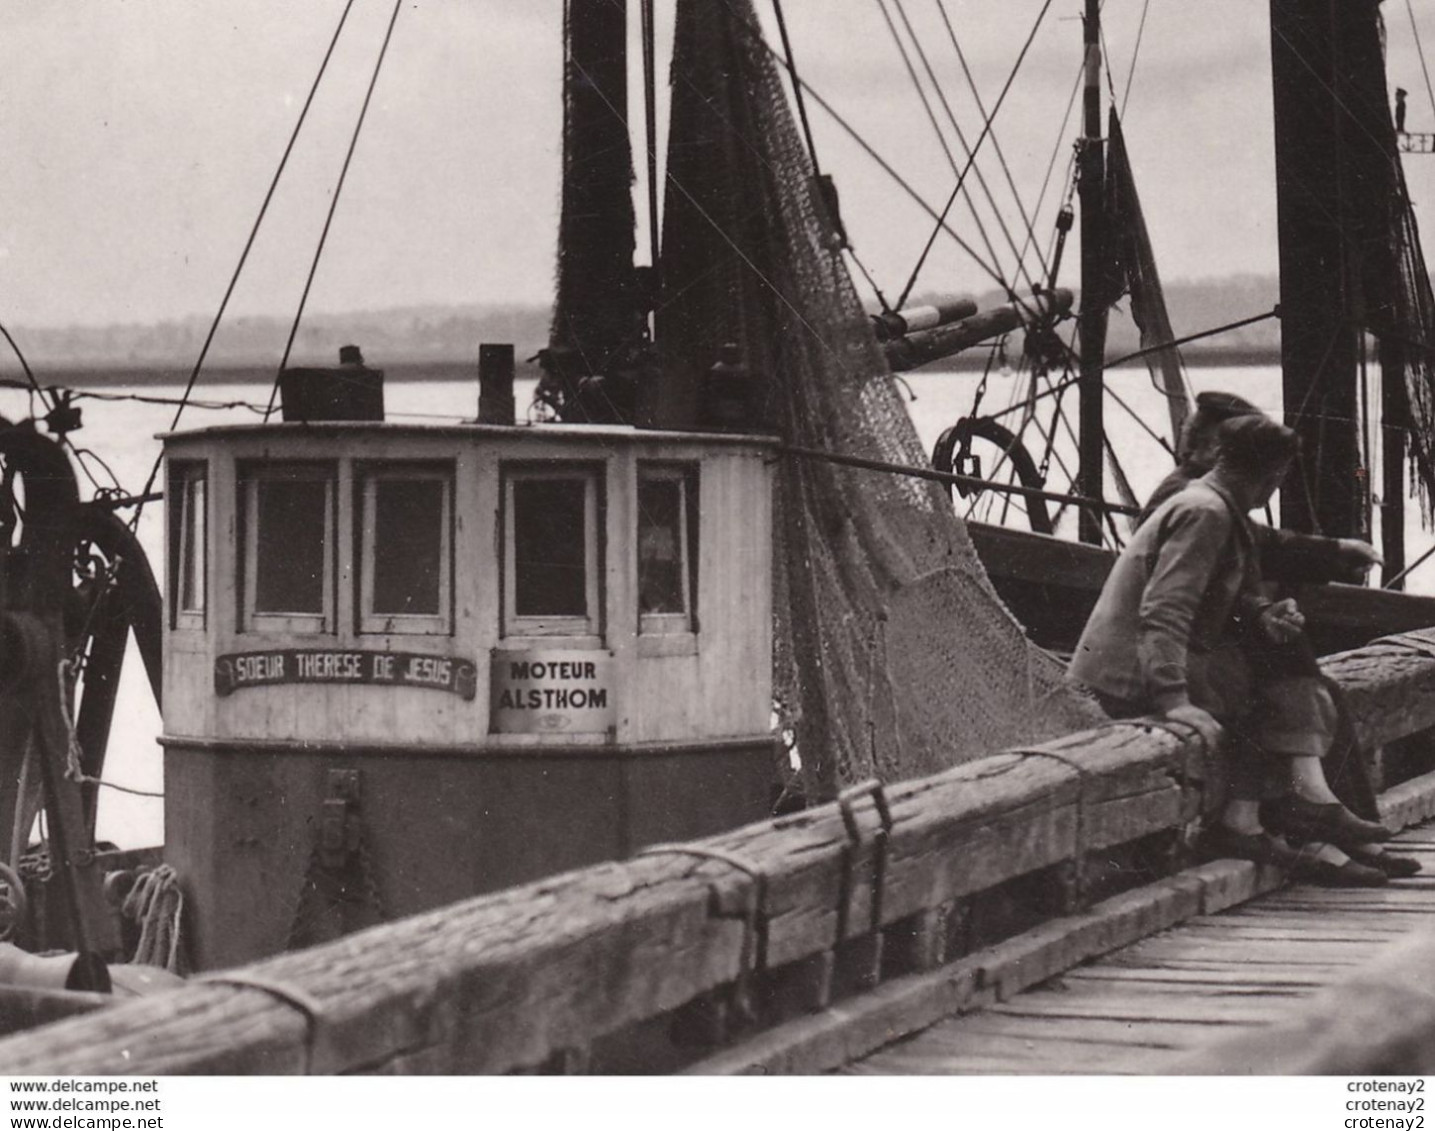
x: 1153, y: 1006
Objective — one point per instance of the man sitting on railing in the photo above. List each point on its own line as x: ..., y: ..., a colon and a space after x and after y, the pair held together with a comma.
x: 1299, y: 705
x: 1170, y: 631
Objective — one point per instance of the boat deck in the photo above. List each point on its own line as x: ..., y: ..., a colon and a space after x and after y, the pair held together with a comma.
x: 1146, y: 1008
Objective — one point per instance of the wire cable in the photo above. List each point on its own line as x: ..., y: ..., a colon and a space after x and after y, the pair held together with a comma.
x: 1420, y: 50
x: 33, y: 384
x: 1135, y: 54
x: 334, y: 202
x: 967, y: 150
x: 1027, y: 220
x: 886, y: 166
x: 248, y: 245
x: 941, y: 140
x: 986, y: 129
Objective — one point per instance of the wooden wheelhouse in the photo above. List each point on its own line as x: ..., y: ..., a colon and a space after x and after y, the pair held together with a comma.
x: 406, y: 664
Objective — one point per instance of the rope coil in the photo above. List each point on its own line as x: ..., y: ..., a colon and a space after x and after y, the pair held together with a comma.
x: 156, y: 903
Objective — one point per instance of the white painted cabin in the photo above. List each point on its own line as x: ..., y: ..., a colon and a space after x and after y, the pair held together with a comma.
x: 405, y: 664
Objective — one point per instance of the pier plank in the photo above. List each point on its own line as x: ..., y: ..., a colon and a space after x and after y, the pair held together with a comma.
x: 1380, y: 1020
x: 1293, y: 981
x: 1232, y: 981
x: 1136, y: 1008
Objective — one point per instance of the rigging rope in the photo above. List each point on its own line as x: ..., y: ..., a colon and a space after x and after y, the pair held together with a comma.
x: 74, y: 755
x: 33, y: 384
x: 961, y: 137
x: 156, y: 903
x: 1027, y: 220
x: 248, y: 245
x: 986, y: 129
x: 1273, y: 313
x: 650, y: 116
x: 800, y: 99
x: 1420, y: 49
x: 334, y: 202
x: 941, y: 140
x: 1069, y: 178
x: 1135, y: 54
x: 796, y: 87
x: 886, y: 166
x: 33, y: 387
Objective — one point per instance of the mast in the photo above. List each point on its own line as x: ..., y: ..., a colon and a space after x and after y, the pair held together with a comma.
x: 1319, y: 280
x: 1093, y: 289
x: 597, y: 313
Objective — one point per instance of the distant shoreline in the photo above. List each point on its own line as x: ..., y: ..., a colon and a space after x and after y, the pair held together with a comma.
x: 83, y: 375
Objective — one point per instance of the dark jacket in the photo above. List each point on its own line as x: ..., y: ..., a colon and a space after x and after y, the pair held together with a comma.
x: 1167, y: 627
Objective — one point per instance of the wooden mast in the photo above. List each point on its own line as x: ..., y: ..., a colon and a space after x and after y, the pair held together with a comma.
x: 1319, y: 338
x: 1093, y: 275
x: 597, y: 313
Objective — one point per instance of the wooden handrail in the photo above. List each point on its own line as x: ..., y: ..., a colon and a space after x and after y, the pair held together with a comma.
x: 505, y: 981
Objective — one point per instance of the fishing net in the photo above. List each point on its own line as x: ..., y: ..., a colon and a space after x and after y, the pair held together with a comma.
x: 1406, y: 350
x: 894, y: 656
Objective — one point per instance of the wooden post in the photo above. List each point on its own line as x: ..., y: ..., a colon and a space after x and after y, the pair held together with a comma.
x: 1394, y: 419
x: 1093, y: 283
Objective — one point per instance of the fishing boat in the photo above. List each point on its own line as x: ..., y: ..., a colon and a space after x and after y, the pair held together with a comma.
x: 407, y: 664
x: 1362, y: 274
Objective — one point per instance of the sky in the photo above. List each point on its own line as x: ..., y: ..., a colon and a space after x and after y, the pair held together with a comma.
x: 139, y: 138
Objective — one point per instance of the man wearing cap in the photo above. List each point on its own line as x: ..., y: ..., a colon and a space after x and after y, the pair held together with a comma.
x: 1170, y: 635
x: 1299, y: 708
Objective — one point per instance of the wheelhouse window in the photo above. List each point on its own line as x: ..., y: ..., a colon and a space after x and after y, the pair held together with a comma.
x: 289, y: 547
x: 551, y: 551
x: 667, y: 547
x: 188, y: 526
x: 406, y: 549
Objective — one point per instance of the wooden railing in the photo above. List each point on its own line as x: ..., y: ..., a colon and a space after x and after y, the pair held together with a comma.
x: 656, y: 962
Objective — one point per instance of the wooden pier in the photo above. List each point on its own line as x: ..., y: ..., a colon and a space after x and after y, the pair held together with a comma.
x: 1018, y: 883
x: 1219, y: 993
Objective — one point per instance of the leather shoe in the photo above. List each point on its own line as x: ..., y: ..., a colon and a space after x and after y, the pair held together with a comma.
x: 1396, y: 867
x: 1333, y: 822
x: 1314, y: 870
x: 1225, y: 843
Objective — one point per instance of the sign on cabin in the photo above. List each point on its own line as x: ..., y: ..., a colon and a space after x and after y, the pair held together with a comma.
x: 399, y: 669
x: 549, y: 690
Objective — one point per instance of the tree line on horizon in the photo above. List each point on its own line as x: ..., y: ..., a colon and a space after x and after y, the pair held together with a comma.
x: 452, y: 334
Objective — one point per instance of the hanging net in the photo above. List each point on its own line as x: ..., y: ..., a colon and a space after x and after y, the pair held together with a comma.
x: 893, y: 656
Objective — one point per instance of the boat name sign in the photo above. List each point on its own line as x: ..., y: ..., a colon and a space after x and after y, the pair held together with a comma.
x: 396, y: 669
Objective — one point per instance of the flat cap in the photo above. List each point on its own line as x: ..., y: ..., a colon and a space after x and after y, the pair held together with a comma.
x: 1224, y: 406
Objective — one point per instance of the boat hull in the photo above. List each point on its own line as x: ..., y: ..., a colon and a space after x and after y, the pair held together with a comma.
x: 285, y: 862
x: 1051, y: 585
